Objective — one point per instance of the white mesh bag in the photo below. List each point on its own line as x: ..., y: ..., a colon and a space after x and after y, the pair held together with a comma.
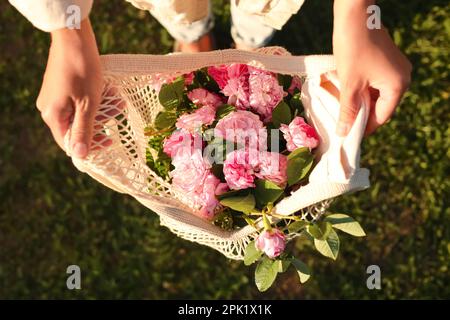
x: 130, y: 102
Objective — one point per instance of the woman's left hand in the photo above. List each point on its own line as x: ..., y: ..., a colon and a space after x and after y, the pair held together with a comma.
x: 369, y: 65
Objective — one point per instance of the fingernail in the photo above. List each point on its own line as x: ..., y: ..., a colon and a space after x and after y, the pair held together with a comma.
x: 80, y: 150
x: 342, y: 129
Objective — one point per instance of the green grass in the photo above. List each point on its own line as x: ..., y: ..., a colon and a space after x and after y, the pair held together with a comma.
x: 52, y: 216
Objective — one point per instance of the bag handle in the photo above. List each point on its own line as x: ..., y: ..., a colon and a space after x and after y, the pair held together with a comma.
x: 139, y: 64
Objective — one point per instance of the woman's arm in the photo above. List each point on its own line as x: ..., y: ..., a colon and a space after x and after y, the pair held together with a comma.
x: 72, y: 84
x: 72, y: 87
x: 366, y: 59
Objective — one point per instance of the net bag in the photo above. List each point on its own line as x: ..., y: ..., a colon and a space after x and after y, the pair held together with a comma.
x: 130, y: 103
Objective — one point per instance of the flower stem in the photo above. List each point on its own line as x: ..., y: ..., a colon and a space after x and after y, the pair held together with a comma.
x: 277, y: 216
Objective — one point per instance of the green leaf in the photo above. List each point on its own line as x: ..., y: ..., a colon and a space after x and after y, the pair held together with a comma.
x: 265, y: 273
x: 283, y: 265
x: 299, y: 163
x: 156, y: 142
x: 224, y: 110
x: 302, y: 269
x: 300, y: 152
x: 346, y: 223
x: 233, y: 193
x: 320, y: 230
x: 266, y: 191
x: 284, y: 80
x: 296, y: 103
x: 244, y: 204
x: 296, y: 226
x: 329, y: 247
x: 314, y: 231
x: 252, y: 254
x: 281, y: 114
x: 206, y: 81
x: 159, y: 163
x: 171, y: 94
x: 165, y: 119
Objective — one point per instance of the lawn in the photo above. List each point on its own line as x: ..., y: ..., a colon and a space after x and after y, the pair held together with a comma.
x: 52, y: 216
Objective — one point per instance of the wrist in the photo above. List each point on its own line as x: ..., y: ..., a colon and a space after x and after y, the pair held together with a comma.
x: 350, y: 16
x: 74, y: 37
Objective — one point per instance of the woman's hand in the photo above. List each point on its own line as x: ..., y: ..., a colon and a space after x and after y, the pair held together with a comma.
x: 369, y: 65
x: 72, y: 87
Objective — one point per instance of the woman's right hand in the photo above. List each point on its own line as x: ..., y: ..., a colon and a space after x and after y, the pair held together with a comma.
x: 72, y: 87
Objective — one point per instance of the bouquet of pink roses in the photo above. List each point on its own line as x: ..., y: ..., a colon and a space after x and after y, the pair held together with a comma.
x: 233, y: 140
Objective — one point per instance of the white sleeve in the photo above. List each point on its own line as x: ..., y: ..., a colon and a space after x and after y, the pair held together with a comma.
x: 50, y: 15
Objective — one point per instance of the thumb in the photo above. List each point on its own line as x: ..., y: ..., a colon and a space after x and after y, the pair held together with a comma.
x: 384, y: 108
x: 82, y: 127
x: 350, y: 100
x: 57, y: 117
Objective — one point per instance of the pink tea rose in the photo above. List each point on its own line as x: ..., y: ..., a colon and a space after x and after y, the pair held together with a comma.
x: 237, y: 93
x: 243, y: 127
x: 238, y: 170
x: 265, y: 93
x: 193, y: 121
x: 233, y: 82
x: 299, y: 134
x: 193, y: 177
x: 236, y: 88
x: 188, y: 78
x: 190, y: 171
x: 182, y: 141
x: 219, y: 74
x: 237, y: 70
x: 202, y: 97
x: 295, y: 84
x: 272, y: 166
x: 207, y: 199
x: 272, y: 242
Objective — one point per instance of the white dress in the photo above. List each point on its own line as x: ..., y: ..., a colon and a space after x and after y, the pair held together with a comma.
x: 49, y: 15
